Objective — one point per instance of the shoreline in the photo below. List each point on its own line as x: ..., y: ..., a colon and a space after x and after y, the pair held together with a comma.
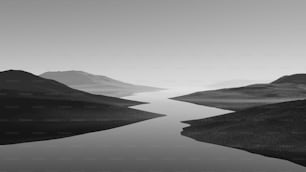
x: 277, y: 130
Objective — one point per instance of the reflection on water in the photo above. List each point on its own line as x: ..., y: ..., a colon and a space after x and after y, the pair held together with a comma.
x: 154, y: 145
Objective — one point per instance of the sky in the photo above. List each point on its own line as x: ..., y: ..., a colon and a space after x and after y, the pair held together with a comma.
x: 165, y: 43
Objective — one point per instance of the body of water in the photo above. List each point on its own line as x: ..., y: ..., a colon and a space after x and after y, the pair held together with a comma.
x: 151, y: 146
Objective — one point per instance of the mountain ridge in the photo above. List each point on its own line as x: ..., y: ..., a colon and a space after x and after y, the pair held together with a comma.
x: 239, y: 98
x: 21, y: 83
x: 299, y: 78
x: 96, y: 84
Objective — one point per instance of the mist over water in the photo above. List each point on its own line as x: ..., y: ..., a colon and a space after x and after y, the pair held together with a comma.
x: 153, y: 145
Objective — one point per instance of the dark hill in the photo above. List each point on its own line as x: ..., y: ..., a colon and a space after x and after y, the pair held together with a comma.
x: 292, y: 79
x: 27, y: 119
x: 277, y: 130
x: 34, y: 109
x: 287, y: 88
x: 24, y: 84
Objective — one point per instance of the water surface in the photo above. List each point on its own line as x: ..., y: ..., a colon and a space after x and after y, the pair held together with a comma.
x: 151, y: 146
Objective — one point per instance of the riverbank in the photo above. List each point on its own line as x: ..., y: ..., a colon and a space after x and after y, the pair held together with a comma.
x: 277, y: 130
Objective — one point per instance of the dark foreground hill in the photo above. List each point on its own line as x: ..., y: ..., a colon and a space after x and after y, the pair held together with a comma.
x: 277, y: 130
x: 285, y: 89
x: 96, y: 84
x: 23, y: 84
x: 33, y: 108
x: 26, y: 120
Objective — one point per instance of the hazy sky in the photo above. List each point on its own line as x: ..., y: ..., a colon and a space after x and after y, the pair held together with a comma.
x: 156, y: 42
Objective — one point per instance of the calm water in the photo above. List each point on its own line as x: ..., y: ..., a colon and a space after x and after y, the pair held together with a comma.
x: 150, y: 146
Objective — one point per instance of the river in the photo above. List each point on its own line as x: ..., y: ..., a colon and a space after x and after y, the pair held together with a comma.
x: 151, y: 146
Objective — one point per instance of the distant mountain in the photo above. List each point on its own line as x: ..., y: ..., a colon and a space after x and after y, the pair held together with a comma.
x: 277, y: 130
x: 20, y: 83
x: 287, y: 88
x: 35, y: 109
x: 96, y: 84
